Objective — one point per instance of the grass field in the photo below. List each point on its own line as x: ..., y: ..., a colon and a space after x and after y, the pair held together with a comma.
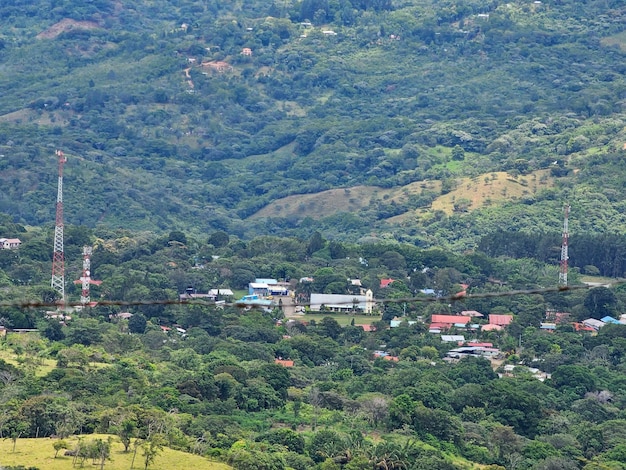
x: 490, y: 188
x: 40, y: 453
x: 597, y: 279
x: 342, y: 318
x: 41, y: 366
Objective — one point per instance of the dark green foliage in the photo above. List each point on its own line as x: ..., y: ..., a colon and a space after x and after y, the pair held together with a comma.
x: 137, y: 323
x: 462, y: 106
x: 293, y: 441
x: 574, y: 379
x: 243, y: 459
x: 221, y: 378
x: 323, y: 444
x: 512, y: 407
x: 53, y: 331
x: 437, y: 423
x: 600, y: 302
x: 219, y: 239
x: 84, y: 331
x: 472, y: 370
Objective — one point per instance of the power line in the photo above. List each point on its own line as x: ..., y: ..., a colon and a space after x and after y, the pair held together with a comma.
x: 27, y: 304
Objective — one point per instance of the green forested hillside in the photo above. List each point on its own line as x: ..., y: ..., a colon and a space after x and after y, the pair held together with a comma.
x: 132, y: 379
x: 422, y: 150
x: 333, y: 94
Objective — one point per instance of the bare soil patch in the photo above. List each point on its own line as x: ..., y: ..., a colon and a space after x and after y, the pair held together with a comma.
x: 65, y: 25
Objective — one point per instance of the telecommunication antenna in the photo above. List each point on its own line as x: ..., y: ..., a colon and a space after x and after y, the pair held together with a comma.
x: 85, y: 279
x: 564, y: 248
x: 58, y: 258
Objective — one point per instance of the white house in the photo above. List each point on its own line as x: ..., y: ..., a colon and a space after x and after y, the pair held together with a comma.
x: 343, y: 302
x: 10, y: 243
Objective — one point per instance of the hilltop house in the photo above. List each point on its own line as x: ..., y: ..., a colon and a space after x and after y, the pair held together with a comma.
x: 10, y: 243
x: 218, y: 66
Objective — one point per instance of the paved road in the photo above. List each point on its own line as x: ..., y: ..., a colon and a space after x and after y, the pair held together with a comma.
x: 289, y: 305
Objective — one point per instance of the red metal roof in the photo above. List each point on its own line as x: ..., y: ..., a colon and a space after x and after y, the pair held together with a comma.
x: 283, y: 362
x: 450, y: 319
x: 367, y: 327
x: 502, y: 320
x: 391, y: 358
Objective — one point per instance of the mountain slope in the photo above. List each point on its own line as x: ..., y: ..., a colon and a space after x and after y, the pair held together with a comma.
x: 168, y: 122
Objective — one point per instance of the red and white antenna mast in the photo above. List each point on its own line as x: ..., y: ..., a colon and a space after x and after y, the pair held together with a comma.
x: 564, y: 247
x: 85, y: 280
x: 58, y: 258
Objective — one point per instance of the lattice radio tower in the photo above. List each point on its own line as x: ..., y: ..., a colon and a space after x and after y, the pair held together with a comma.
x: 58, y: 258
x: 85, y: 280
x: 564, y: 248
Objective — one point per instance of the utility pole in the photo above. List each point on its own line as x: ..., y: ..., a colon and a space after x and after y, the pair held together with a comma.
x: 58, y: 257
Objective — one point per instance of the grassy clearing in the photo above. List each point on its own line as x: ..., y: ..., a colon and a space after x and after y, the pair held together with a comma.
x: 490, y: 188
x: 41, y: 366
x: 597, y: 279
x: 342, y: 318
x: 487, y: 189
x: 321, y: 204
x: 618, y: 39
x: 495, y: 187
x: 31, y: 356
x: 40, y: 453
x: 334, y: 201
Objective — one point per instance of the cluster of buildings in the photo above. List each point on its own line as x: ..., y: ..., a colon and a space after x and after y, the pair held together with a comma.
x: 590, y: 325
x: 214, y: 295
x: 468, y: 320
x: 475, y: 349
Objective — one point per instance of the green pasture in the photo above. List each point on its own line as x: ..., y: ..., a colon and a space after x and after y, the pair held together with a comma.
x: 342, y: 318
x: 39, y: 453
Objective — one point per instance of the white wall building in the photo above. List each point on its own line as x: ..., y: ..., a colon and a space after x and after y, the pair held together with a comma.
x: 343, y: 302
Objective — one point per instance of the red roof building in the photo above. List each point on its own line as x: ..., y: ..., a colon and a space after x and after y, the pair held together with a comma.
x: 450, y: 319
x: 491, y: 327
x: 500, y: 320
x: 583, y: 327
x: 385, y: 283
x: 367, y: 327
x: 391, y: 358
x: 283, y: 362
